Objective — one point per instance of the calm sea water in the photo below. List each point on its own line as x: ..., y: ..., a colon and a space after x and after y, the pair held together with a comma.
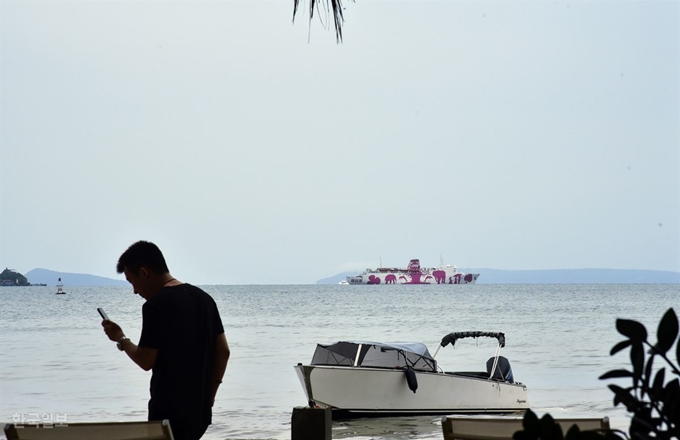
x: 56, y: 360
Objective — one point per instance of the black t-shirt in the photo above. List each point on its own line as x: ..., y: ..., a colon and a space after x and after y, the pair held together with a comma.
x: 182, y: 322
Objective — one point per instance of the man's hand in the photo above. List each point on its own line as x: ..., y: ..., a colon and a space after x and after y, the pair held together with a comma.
x: 112, y: 330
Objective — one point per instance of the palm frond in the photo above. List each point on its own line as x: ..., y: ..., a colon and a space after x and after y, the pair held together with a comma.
x: 335, y: 5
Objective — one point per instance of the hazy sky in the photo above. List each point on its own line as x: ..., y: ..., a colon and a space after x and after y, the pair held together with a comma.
x: 507, y: 135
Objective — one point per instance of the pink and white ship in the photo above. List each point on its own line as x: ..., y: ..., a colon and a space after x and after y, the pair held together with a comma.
x: 414, y: 274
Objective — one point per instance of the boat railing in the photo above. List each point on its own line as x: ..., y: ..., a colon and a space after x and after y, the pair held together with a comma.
x: 495, y: 360
x: 478, y: 374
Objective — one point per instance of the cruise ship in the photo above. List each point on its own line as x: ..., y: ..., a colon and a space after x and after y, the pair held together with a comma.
x: 414, y: 274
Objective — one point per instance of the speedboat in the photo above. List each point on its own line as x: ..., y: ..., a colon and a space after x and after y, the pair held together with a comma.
x: 362, y: 379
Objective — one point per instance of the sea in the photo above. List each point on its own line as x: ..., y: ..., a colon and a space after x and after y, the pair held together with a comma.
x: 57, y: 366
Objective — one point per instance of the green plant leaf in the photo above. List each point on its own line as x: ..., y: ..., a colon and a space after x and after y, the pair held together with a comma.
x: 667, y: 332
x: 530, y: 418
x: 641, y: 426
x: 633, y: 329
x: 616, y: 374
x: 647, y: 377
x: 637, y: 360
x: 550, y: 429
x: 622, y: 395
x: 670, y: 394
x: 677, y: 352
x: 657, y: 387
x: 531, y: 426
x: 674, y: 416
x: 620, y: 346
x: 574, y: 433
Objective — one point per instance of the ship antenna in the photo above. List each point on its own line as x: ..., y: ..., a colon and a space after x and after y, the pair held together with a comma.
x: 380, y: 258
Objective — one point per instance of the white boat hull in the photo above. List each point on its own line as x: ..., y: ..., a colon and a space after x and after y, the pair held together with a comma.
x: 378, y: 391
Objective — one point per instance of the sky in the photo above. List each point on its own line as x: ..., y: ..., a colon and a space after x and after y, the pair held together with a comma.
x: 254, y: 150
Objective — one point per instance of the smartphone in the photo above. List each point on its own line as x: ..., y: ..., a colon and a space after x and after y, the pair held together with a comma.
x: 102, y: 313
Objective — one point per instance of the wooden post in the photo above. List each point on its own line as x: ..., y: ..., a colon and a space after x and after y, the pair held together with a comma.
x: 311, y: 423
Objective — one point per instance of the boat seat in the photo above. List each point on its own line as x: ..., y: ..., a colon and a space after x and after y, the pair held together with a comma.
x: 154, y: 430
x: 503, y: 427
x: 503, y: 369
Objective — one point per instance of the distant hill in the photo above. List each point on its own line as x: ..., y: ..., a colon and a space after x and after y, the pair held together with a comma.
x: 9, y: 277
x: 50, y: 277
x: 557, y: 276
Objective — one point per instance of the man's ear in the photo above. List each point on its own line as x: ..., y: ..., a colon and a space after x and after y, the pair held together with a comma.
x: 143, y: 272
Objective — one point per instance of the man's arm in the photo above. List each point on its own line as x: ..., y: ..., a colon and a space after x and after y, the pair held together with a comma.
x: 222, y: 354
x: 143, y: 356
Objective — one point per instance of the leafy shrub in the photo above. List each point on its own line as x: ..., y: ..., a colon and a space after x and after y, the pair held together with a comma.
x: 655, y: 405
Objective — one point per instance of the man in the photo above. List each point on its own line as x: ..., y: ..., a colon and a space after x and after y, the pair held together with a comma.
x: 182, y: 341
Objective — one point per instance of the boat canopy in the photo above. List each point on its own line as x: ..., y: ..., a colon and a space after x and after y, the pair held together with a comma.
x: 375, y: 354
x: 452, y: 337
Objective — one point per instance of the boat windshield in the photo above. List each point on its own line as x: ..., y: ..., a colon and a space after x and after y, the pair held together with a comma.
x: 375, y: 354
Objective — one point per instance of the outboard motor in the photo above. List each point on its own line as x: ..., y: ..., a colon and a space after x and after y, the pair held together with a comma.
x: 503, y: 369
x: 411, y: 379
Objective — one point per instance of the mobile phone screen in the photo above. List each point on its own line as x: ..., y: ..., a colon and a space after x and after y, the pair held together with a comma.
x: 102, y: 313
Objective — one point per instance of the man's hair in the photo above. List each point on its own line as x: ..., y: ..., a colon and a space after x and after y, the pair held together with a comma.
x: 142, y: 253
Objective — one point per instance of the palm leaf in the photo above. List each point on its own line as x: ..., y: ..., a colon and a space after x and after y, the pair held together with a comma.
x: 335, y: 5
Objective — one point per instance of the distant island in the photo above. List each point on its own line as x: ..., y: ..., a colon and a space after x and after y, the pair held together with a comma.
x: 44, y: 277
x: 10, y: 277
x: 50, y: 277
x: 556, y: 276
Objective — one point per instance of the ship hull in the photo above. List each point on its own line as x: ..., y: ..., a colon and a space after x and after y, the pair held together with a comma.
x: 438, y: 275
